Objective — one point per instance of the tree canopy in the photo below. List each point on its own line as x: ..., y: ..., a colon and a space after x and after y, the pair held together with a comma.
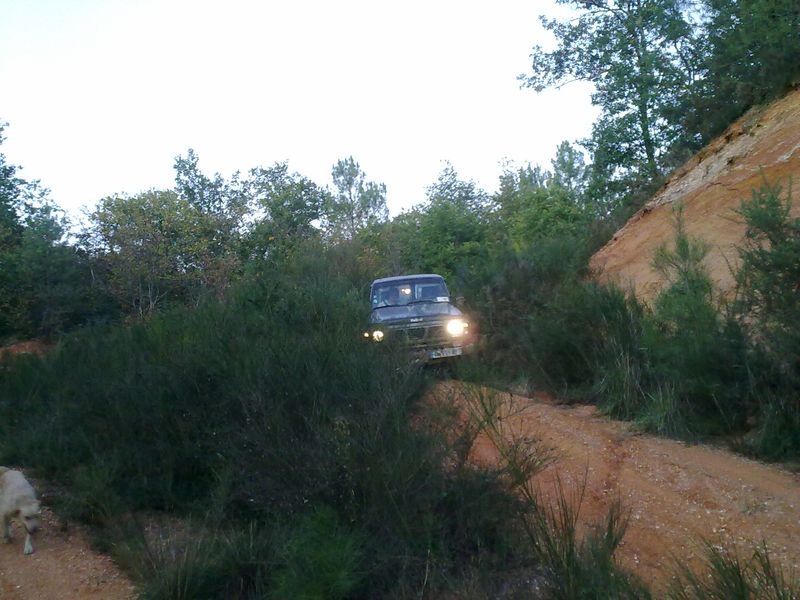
x: 668, y: 74
x: 355, y: 202
x: 634, y: 52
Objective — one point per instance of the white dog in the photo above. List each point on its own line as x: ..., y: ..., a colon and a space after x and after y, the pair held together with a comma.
x: 18, y: 501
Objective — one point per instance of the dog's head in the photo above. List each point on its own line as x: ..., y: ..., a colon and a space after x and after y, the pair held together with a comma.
x: 30, y: 516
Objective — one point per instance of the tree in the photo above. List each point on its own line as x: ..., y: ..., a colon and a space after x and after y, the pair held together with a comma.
x: 536, y: 204
x: 156, y: 247
x: 224, y: 203
x: 11, y: 190
x: 355, y: 203
x: 450, y: 234
x: 641, y: 57
x: 751, y: 56
x: 569, y: 169
x: 53, y: 288
x: 509, y: 200
x: 450, y: 189
x: 289, y: 204
x: 45, y: 284
x: 769, y: 278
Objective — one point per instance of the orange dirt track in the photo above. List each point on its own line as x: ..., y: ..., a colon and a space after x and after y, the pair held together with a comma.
x: 62, y: 568
x: 676, y: 494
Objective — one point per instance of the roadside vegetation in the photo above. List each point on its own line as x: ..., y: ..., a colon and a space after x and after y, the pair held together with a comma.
x: 208, y: 372
x: 691, y: 365
x: 264, y: 421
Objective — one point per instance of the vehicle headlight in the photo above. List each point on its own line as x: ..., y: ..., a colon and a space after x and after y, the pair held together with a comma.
x: 457, y: 327
x: 377, y: 335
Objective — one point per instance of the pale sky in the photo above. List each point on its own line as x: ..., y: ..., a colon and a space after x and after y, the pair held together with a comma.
x: 101, y: 95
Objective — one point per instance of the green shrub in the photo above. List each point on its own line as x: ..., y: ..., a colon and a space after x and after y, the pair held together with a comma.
x: 681, y: 367
x: 768, y: 278
x: 319, y: 560
x: 768, y: 307
x: 690, y: 365
x: 545, y: 322
x: 777, y: 434
x: 692, y: 346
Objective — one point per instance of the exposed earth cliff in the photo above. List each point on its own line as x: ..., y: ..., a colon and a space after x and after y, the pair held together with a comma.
x: 762, y: 145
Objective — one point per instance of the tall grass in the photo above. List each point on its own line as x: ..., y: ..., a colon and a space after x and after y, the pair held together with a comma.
x: 572, y: 565
x: 728, y: 576
x: 577, y: 561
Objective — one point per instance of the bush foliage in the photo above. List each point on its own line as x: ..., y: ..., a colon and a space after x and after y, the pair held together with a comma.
x: 262, y: 409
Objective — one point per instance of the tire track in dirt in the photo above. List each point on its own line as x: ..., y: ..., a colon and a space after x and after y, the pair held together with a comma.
x: 675, y: 494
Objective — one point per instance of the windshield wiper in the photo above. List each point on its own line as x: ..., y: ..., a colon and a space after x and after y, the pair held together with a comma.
x: 388, y: 306
x: 409, y: 303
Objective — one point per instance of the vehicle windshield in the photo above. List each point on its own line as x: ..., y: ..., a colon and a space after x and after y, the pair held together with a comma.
x: 408, y: 291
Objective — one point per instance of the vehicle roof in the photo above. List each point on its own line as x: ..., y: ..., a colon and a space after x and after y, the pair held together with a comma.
x: 404, y: 277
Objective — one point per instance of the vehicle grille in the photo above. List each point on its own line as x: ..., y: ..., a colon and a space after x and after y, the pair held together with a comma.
x: 436, y: 332
x: 422, y: 335
x: 416, y: 333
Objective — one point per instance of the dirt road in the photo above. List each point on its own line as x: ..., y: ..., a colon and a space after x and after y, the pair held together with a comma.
x: 676, y: 494
x: 61, y: 568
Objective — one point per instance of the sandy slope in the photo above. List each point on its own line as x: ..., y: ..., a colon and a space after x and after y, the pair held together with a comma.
x: 676, y: 494
x: 763, y: 144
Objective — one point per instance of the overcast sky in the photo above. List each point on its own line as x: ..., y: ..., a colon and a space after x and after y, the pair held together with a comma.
x: 101, y: 95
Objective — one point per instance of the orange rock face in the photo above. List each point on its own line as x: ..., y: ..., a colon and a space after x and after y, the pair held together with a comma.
x: 762, y: 145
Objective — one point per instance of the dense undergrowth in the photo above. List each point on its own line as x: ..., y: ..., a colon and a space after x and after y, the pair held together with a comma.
x: 266, y: 423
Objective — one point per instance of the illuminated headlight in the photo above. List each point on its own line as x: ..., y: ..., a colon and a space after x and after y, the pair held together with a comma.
x: 457, y: 327
x: 377, y: 335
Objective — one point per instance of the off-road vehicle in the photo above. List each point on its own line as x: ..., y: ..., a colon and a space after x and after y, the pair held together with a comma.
x: 417, y: 312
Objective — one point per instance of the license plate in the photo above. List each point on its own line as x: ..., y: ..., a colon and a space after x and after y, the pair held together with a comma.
x: 445, y: 352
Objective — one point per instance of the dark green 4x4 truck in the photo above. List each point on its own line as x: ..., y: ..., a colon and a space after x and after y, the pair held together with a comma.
x: 416, y: 311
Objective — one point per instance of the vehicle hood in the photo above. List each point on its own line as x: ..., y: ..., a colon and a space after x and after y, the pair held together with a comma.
x: 419, y: 310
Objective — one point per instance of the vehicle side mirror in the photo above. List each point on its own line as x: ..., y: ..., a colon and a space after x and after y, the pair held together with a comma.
x: 459, y: 301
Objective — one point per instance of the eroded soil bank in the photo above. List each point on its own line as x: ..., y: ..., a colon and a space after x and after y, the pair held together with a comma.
x: 762, y: 146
